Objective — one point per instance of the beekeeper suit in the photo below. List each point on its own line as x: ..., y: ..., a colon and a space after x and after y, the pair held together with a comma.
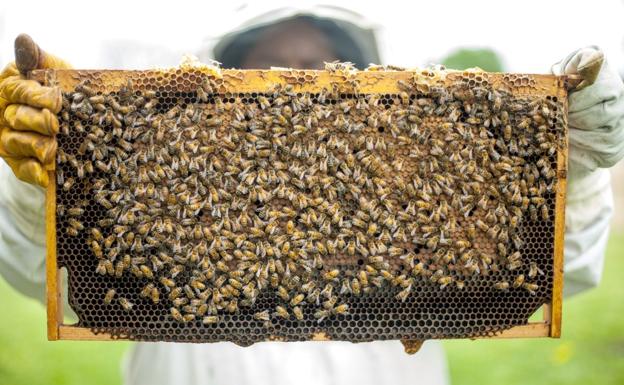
x: 27, y: 124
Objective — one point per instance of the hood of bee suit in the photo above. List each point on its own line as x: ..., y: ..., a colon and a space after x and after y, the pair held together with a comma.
x: 353, y: 36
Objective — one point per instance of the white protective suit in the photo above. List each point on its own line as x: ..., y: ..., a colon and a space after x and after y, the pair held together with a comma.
x: 596, y: 123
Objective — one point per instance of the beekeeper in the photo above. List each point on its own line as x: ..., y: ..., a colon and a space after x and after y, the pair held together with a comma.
x: 301, y: 39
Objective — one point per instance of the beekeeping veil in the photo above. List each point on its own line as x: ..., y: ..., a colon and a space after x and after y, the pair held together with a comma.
x: 352, y: 37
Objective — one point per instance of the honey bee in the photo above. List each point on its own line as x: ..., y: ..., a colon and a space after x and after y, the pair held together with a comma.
x: 418, y: 269
x: 146, y: 271
x: 518, y: 281
x: 483, y: 226
x: 283, y: 293
x: 69, y: 183
x: 97, y: 249
x: 110, y: 294
x: 331, y: 275
x: 507, y: 133
x: 102, y: 267
x: 101, y: 199
x: 155, y: 295
x: 530, y: 287
x: 502, y: 249
x: 503, y: 236
x: 298, y: 313
x: 75, y: 211
x: 210, y: 320
x: 356, y: 288
x: 327, y: 291
x: 281, y: 312
x: 544, y: 212
x: 264, y: 102
x: 533, y: 212
x: 462, y: 244
x: 534, y: 270
x: 262, y: 316
x: 320, y: 315
x: 167, y: 283
x: 403, y: 294
x: 340, y: 309
x: 296, y: 300
x: 471, y: 231
x: 503, y: 285
x: 445, y: 281
x: 125, y: 304
x: 146, y: 290
x: 330, y: 302
x: 232, y: 306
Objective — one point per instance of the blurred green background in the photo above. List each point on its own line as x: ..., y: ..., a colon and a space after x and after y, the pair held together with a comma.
x: 591, y: 350
x: 485, y: 58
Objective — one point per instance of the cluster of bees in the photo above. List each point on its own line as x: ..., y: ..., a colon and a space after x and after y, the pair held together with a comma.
x: 312, y: 198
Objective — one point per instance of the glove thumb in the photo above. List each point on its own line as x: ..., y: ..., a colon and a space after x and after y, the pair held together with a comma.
x: 586, y: 62
x: 29, y: 56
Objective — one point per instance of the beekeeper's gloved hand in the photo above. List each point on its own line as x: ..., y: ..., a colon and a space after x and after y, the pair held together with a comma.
x: 596, y: 112
x: 28, y: 122
x: 596, y: 138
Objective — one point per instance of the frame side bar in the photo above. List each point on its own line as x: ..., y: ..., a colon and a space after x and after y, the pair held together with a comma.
x: 560, y: 199
x: 53, y: 286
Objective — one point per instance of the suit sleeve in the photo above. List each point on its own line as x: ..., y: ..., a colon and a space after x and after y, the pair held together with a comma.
x: 596, y: 137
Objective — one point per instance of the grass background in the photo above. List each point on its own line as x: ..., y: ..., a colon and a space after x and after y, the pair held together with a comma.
x: 591, y: 350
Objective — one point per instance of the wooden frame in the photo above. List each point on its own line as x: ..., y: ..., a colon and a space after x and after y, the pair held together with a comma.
x: 257, y: 81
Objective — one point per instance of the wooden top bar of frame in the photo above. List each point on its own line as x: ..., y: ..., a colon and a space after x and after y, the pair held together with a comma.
x: 241, y: 81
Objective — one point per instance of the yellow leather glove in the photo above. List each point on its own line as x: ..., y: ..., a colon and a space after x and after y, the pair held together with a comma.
x: 28, y: 122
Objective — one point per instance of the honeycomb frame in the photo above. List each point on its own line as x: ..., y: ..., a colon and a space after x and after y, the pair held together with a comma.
x: 370, y: 82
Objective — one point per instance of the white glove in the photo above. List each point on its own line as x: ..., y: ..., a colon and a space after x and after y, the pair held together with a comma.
x: 596, y: 137
x: 596, y: 112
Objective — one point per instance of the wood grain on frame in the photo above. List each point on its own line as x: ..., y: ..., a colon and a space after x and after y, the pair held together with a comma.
x: 54, y: 302
x: 560, y: 199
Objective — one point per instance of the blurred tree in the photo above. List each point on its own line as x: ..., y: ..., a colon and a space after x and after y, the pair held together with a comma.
x: 485, y: 58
